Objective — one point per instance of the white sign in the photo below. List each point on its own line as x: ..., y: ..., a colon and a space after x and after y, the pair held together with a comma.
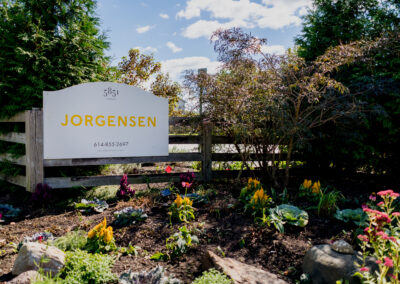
x: 100, y: 120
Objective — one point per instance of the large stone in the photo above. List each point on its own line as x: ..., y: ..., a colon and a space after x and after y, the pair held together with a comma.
x: 326, y: 266
x: 26, y: 278
x: 31, y: 255
x: 240, y: 272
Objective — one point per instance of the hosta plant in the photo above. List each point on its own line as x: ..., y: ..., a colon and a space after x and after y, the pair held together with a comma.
x: 289, y: 214
x: 154, y: 276
x: 128, y: 216
x: 357, y: 216
x: 381, y: 239
x: 182, y: 209
x: 101, y: 238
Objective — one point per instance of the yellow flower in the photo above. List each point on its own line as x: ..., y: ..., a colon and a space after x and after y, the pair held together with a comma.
x: 252, y: 182
x: 187, y: 201
x: 316, y: 187
x: 307, y: 183
x: 178, y: 201
x: 99, y: 227
x: 108, y: 234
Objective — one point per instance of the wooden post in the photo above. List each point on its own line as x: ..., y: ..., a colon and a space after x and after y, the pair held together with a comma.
x: 206, y: 150
x: 34, y: 148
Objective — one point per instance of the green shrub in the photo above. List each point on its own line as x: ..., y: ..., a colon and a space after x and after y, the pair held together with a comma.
x: 212, y: 276
x: 83, y: 267
x: 72, y: 241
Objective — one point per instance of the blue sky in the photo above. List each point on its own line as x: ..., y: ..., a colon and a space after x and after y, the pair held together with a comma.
x: 177, y: 31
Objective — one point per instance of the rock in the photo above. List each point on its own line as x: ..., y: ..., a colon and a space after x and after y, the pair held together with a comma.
x: 3, y: 242
x: 33, y: 254
x: 26, y: 277
x: 240, y: 272
x: 326, y: 266
x: 342, y: 246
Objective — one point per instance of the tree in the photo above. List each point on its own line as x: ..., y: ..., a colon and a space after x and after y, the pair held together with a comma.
x: 47, y: 45
x: 164, y: 87
x: 270, y: 105
x: 369, y: 140
x: 140, y: 68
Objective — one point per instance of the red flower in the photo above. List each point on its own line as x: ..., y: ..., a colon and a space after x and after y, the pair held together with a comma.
x: 364, y: 269
x: 388, y: 262
x: 168, y: 169
x: 40, y: 239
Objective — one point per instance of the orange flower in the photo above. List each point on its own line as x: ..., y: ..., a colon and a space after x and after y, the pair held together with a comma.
x: 307, y: 183
x: 316, y: 188
x: 187, y: 201
x: 99, y: 227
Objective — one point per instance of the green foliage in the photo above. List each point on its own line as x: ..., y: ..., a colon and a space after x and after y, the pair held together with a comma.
x: 286, y: 213
x: 328, y: 202
x: 178, y: 244
x: 154, y: 276
x: 83, y: 267
x: 369, y: 140
x: 71, y: 241
x: 47, y: 45
x: 212, y: 276
x: 357, y: 216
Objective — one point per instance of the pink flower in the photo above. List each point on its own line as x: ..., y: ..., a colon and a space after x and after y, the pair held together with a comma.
x: 366, y: 230
x: 372, y: 197
x: 364, y: 206
x: 363, y: 238
x: 394, y: 195
x: 385, y: 192
x: 396, y: 214
x: 364, y: 269
x: 380, y: 203
x: 186, y: 184
x: 392, y: 276
x: 378, y: 261
x: 168, y: 169
x: 388, y: 262
x: 1, y: 216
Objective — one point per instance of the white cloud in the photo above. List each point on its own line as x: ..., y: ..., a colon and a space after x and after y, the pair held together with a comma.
x: 173, y: 47
x: 147, y: 49
x: 176, y: 66
x: 164, y: 16
x: 273, y: 49
x: 144, y: 29
x: 272, y: 14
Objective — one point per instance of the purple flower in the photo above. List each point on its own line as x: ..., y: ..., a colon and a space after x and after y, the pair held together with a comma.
x: 125, y: 191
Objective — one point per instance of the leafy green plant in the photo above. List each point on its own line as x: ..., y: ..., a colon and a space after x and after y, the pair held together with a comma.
x: 286, y: 213
x: 154, y: 276
x: 71, y: 241
x: 212, y: 276
x: 357, y: 216
x: 128, y: 216
x: 177, y: 244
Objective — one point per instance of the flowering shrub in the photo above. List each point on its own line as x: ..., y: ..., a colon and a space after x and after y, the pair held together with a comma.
x: 182, y: 209
x: 125, y: 191
x: 382, y: 236
x: 100, y: 238
x: 187, y: 180
x: 42, y: 194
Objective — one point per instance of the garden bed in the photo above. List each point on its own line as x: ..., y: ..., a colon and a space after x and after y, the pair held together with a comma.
x: 225, y: 230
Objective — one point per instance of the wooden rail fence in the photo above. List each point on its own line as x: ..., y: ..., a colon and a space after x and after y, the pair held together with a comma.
x: 35, y: 164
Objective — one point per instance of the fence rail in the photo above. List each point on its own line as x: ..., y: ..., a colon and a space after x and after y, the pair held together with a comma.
x: 35, y: 164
